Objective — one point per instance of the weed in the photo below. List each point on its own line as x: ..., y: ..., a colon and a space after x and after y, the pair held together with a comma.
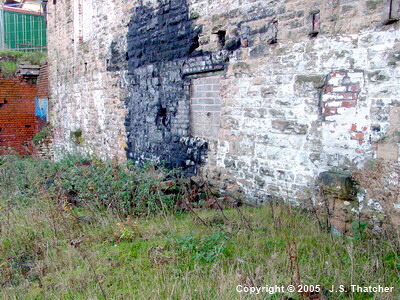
x: 8, y: 68
x: 43, y: 135
x: 76, y: 137
x: 205, y: 249
x: 359, y: 229
x: 124, y: 189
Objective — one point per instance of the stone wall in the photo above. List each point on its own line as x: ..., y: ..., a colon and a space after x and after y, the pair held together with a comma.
x: 306, y: 87
x: 87, y: 96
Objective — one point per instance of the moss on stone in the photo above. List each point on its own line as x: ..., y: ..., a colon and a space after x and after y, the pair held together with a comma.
x: 340, y: 184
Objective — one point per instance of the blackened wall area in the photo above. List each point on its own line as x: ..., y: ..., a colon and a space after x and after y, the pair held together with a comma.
x: 162, y: 44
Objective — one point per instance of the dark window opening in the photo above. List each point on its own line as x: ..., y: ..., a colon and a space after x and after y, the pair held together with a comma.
x: 163, y: 115
x: 162, y: 118
x: 194, y: 44
x: 27, y: 126
x: 221, y: 38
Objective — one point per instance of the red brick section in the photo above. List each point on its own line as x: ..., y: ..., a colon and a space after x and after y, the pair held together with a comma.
x: 340, y: 92
x: 18, y: 123
x: 358, y: 135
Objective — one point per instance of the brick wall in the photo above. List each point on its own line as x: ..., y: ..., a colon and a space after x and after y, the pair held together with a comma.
x: 205, y: 107
x: 43, y: 82
x: 42, y: 91
x: 18, y: 123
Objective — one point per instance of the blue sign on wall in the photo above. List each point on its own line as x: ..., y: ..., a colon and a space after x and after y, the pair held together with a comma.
x: 41, y: 107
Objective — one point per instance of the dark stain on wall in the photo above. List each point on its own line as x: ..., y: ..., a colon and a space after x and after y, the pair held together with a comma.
x: 162, y: 43
x: 162, y: 34
x: 163, y: 48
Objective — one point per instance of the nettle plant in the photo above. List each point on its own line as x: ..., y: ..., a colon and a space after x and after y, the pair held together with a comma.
x: 205, y: 249
x: 125, y: 189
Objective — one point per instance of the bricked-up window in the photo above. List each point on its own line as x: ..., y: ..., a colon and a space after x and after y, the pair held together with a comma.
x: 205, y: 107
x: 341, y: 93
x: 393, y: 11
x: 83, y: 19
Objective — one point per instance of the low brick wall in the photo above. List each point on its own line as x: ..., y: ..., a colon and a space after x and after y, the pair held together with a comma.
x: 18, y: 123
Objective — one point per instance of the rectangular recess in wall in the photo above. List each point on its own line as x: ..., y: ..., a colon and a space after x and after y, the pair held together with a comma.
x: 315, y: 22
x: 205, y: 105
x: 392, y: 13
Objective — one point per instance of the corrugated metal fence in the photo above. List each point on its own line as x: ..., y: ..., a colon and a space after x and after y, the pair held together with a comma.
x: 22, y: 31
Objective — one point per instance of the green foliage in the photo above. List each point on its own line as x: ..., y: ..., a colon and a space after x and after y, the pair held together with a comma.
x: 359, y: 230
x: 392, y: 259
x: 125, y: 189
x: 11, y: 53
x: 35, y: 57
x: 43, y: 135
x: 8, y: 68
x: 76, y: 137
x: 64, y: 236
x: 205, y: 249
x: 9, y: 60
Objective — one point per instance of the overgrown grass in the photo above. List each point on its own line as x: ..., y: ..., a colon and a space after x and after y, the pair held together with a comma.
x: 8, y: 68
x: 9, y: 60
x: 54, y: 246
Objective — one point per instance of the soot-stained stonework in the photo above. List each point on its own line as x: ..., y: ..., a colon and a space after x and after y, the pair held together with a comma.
x: 161, y: 34
x: 162, y: 43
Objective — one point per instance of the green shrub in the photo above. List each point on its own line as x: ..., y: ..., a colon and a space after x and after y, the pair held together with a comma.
x: 125, y: 189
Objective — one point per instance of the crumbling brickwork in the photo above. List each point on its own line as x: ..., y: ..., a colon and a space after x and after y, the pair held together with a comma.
x: 43, y: 82
x: 306, y: 87
x: 42, y: 91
